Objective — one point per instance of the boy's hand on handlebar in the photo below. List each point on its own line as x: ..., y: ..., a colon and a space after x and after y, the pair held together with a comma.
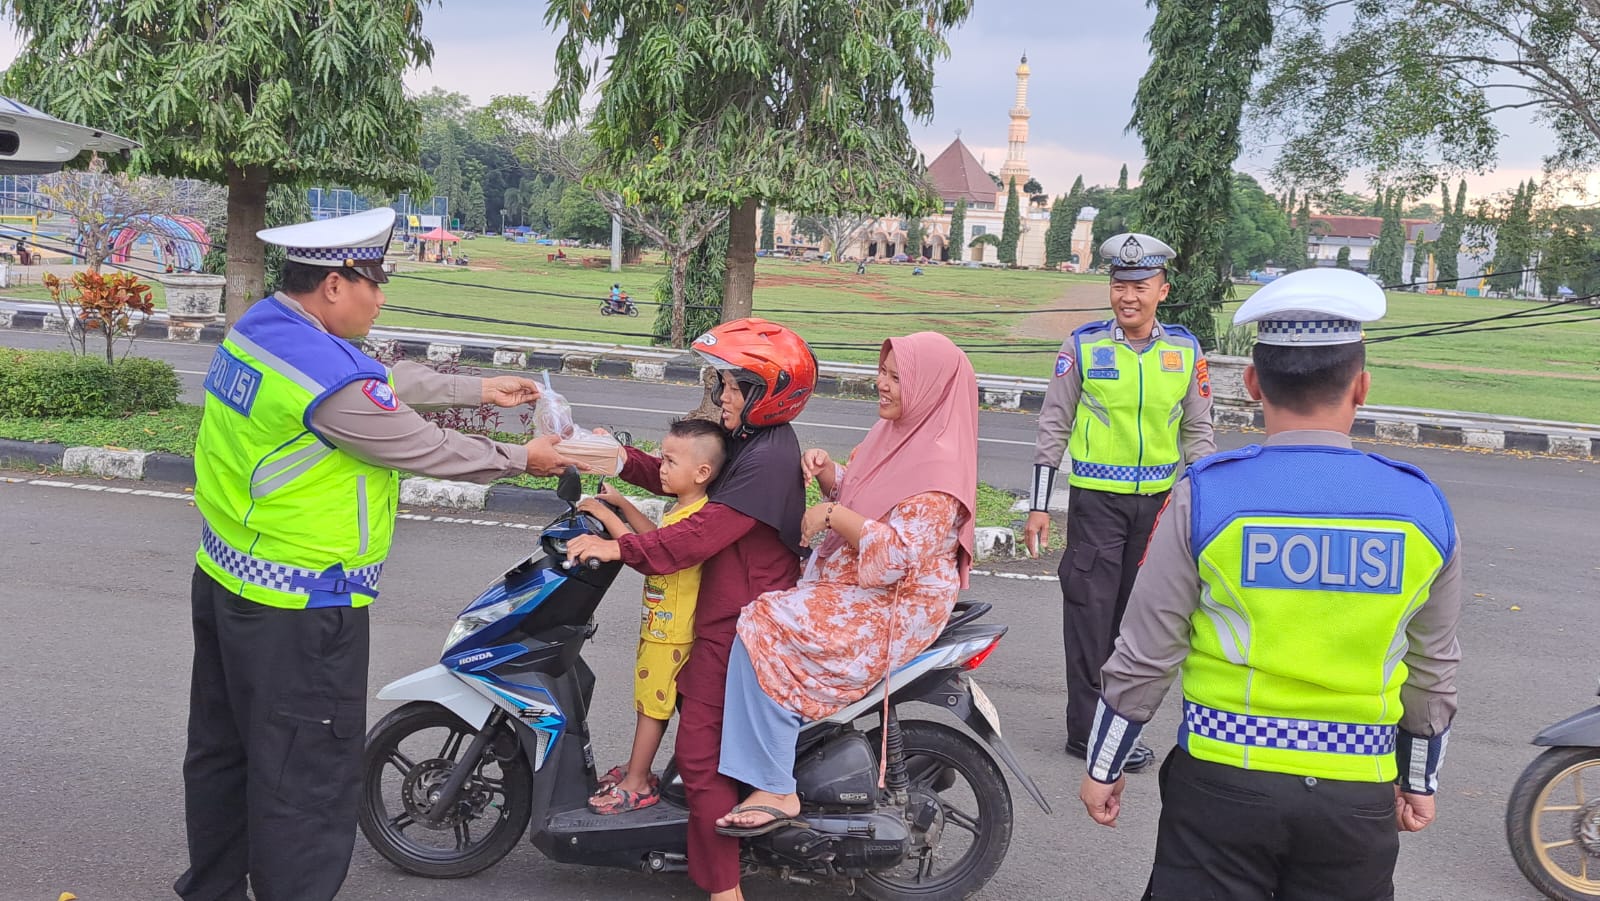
x: 613, y: 497
x: 592, y: 547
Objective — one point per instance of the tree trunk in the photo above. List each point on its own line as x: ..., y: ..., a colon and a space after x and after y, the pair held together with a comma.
x: 680, y: 277
x: 738, y: 290
x: 247, y: 214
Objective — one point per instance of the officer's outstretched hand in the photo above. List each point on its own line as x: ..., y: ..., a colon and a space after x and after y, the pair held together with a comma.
x: 1102, y: 801
x: 1036, y: 534
x: 545, y: 460
x: 510, y: 390
x: 1412, y: 813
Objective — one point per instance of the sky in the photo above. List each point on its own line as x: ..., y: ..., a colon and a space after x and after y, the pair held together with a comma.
x: 1086, y: 65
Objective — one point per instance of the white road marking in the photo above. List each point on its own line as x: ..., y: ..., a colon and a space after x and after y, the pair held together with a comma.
x: 805, y: 425
x: 441, y: 519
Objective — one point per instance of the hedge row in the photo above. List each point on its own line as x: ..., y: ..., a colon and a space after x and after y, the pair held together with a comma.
x: 45, y: 383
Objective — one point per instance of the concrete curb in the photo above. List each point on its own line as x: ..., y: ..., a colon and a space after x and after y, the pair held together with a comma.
x: 993, y: 543
x: 1405, y: 425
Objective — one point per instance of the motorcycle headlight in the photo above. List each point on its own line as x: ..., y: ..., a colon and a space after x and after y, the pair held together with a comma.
x: 476, y: 620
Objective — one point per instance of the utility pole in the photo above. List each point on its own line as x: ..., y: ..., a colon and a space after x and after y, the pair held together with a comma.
x: 616, y: 244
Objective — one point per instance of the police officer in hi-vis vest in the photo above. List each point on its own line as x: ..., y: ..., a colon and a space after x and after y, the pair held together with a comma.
x: 1130, y: 404
x: 296, y: 475
x: 1310, y: 594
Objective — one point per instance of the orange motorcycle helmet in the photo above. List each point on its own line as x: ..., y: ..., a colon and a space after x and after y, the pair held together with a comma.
x: 775, y: 366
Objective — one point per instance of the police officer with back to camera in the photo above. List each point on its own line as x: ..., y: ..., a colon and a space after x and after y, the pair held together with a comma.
x: 1310, y: 594
x: 1130, y: 404
x: 296, y: 475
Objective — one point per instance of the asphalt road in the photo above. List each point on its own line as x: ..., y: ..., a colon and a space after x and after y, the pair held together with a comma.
x: 93, y: 596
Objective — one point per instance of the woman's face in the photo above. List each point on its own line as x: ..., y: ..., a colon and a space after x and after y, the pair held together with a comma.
x: 732, y: 402
x: 889, y: 388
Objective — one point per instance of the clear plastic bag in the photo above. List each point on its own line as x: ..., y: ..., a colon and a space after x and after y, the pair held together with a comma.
x: 552, y: 415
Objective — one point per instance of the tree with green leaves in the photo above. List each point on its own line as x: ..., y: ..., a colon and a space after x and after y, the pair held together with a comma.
x: 1403, y: 89
x: 1446, y: 248
x: 1342, y: 261
x: 1569, y: 258
x: 702, y: 291
x: 474, y: 213
x: 242, y: 93
x: 1032, y: 187
x: 1116, y: 211
x: 1122, y: 178
x: 914, y: 236
x: 1011, y: 226
x: 957, y: 240
x: 987, y: 239
x: 1204, y: 54
x: 1388, y: 255
x: 1514, y: 241
x: 734, y: 104
x: 1258, y: 231
x: 1058, y: 235
x: 769, y: 225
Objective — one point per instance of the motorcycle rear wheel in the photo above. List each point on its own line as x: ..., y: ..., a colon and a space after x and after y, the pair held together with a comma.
x: 1553, y: 823
x: 397, y: 776
x: 944, y: 761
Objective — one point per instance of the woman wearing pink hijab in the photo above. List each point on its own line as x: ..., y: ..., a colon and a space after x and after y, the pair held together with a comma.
x: 899, y: 533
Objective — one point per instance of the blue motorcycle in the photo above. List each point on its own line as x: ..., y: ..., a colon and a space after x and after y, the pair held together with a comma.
x: 495, y: 737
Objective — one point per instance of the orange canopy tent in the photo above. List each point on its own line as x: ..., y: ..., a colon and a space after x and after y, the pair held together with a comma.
x: 437, y: 234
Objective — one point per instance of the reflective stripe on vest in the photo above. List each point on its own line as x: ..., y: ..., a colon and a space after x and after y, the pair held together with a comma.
x: 1312, y: 561
x: 1126, y: 432
x: 291, y: 521
x: 289, y: 579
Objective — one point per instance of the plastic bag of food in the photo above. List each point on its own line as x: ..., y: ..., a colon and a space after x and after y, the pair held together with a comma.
x: 552, y: 415
x: 594, y: 452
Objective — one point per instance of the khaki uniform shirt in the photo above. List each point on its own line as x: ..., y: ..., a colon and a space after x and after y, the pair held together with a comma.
x: 1060, y: 411
x: 1155, y: 628
x: 400, y: 438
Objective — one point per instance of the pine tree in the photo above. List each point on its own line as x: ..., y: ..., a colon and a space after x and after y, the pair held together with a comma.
x: 1342, y: 261
x: 474, y: 212
x: 957, y: 239
x: 914, y: 237
x: 1011, y: 227
x: 1514, y: 241
x: 1188, y: 108
x: 1447, y: 247
x: 1059, y: 228
x: 1388, y: 257
x: 1122, y: 178
x: 769, y: 223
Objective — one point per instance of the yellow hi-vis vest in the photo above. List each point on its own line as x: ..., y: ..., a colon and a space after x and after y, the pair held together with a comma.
x: 291, y: 520
x: 1125, y: 436
x: 1312, y: 561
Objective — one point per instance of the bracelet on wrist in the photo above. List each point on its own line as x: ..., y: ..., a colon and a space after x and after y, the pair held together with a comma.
x: 827, y: 521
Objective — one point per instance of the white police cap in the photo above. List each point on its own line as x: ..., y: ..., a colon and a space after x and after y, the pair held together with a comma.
x: 1135, y: 257
x: 1313, y: 307
x: 357, y: 242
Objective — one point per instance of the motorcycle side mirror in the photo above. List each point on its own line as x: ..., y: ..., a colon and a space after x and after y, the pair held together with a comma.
x: 569, y: 487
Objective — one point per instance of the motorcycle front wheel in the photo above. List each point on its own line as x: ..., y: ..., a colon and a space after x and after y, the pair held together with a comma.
x: 410, y: 755
x: 1553, y: 823
x: 964, y: 847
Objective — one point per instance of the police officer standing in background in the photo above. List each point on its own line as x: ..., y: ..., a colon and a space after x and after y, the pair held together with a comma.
x: 1310, y: 593
x: 296, y: 475
x: 1130, y: 404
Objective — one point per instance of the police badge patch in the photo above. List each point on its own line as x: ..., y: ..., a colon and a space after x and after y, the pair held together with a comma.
x: 1171, y: 361
x: 381, y: 395
x: 1063, y: 364
x: 1104, y: 362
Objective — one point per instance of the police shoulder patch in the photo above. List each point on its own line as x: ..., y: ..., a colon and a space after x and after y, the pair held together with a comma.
x: 381, y: 395
x: 1063, y: 364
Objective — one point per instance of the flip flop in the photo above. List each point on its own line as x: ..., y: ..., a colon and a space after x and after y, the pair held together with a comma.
x: 780, y: 820
x: 613, y: 776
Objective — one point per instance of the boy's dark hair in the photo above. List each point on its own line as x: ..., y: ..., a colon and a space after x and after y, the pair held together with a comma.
x: 1304, y: 379
x: 704, y: 428
x: 303, y: 278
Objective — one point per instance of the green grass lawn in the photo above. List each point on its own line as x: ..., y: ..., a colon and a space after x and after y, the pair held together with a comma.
x: 1550, y: 372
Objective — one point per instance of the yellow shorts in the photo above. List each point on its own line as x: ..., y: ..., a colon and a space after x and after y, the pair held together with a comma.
x: 655, y: 677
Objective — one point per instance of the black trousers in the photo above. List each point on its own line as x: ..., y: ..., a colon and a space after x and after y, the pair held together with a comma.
x: 1228, y: 834
x: 277, y: 709
x: 1106, y: 538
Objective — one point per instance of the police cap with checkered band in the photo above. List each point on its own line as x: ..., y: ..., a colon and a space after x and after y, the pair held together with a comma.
x: 356, y: 242
x: 1134, y: 257
x: 1313, y: 307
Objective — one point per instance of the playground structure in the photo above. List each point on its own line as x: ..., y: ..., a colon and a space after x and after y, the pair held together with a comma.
x: 177, y: 243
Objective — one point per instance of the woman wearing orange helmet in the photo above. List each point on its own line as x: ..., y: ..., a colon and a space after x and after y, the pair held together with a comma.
x: 747, y: 540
